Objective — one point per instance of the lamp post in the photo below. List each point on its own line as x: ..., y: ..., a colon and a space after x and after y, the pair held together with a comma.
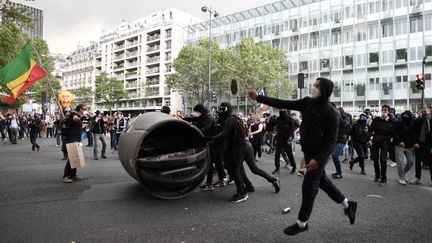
x: 212, y: 13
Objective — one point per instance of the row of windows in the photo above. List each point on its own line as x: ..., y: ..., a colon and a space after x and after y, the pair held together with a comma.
x: 358, y: 60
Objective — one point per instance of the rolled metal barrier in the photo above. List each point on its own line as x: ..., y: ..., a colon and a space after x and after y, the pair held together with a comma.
x: 168, y: 156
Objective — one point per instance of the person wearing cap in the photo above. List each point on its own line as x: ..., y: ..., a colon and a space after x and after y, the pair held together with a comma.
x: 319, y: 130
x: 359, y: 136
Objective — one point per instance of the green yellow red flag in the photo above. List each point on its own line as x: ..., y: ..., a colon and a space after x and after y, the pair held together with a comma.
x: 20, y: 73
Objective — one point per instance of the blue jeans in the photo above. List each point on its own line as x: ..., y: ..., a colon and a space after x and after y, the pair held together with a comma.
x: 337, y: 151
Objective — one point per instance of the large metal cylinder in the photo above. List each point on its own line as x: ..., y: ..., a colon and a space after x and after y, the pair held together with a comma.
x: 168, y: 156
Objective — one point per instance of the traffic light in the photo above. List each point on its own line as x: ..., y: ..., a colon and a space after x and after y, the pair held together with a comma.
x: 213, y: 96
x: 300, y: 81
x: 420, y: 81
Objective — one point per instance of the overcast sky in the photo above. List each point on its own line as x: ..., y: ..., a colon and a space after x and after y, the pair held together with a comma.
x: 68, y: 23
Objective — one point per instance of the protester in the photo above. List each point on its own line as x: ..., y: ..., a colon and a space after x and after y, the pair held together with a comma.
x: 120, y: 124
x: 98, y: 130
x: 284, y: 136
x: 35, y: 126
x: 360, y: 136
x: 255, y: 135
x: 423, y: 145
x: 344, y: 126
x: 13, y: 128
x: 74, y: 135
x: 382, y: 131
x: 318, y: 130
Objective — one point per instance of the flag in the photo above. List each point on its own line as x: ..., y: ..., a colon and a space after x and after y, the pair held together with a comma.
x: 20, y: 73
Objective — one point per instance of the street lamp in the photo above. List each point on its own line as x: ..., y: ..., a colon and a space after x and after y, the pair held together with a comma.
x: 212, y: 13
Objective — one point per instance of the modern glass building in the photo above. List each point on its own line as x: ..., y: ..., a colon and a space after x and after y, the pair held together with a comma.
x: 371, y: 49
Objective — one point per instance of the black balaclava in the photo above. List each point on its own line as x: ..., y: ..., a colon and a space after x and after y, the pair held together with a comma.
x: 326, y: 89
x: 407, y: 117
x: 201, y: 109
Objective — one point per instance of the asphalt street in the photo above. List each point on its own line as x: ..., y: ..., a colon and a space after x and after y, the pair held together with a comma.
x: 109, y: 206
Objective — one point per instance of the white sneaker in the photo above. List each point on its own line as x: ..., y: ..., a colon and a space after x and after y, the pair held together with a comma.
x: 402, y: 181
x: 416, y: 181
x: 393, y: 164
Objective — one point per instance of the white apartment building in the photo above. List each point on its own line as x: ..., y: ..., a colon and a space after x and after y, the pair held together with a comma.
x: 79, y: 70
x: 141, y: 53
x: 371, y: 49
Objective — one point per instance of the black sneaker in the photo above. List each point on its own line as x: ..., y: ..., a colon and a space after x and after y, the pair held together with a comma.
x: 276, y: 185
x: 363, y: 172
x: 293, y: 170
x: 295, y: 229
x: 103, y: 157
x: 351, y: 211
x: 241, y: 198
x: 351, y: 164
x: 276, y: 172
x: 234, y: 197
x: 383, y: 181
x: 337, y: 176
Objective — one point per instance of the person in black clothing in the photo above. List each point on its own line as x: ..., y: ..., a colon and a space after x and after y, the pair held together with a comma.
x: 255, y: 135
x: 284, y: 137
x: 423, y: 145
x: 35, y: 126
x: 382, y: 132
x: 404, y: 139
x: 205, y: 121
x: 269, y: 131
x: 98, y: 130
x: 344, y: 123
x: 64, y: 130
x: 233, y: 134
x: 74, y: 135
x: 360, y: 136
x: 318, y: 130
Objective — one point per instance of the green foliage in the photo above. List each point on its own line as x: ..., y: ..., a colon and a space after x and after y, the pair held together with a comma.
x: 109, y: 90
x: 253, y: 65
x: 191, y: 66
x: 84, y: 95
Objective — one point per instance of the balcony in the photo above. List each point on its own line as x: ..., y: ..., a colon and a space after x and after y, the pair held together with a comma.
x: 134, y: 43
x: 153, y: 48
x: 153, y: 37
x: 119, y: 47
x: 153, y: 81
x: 118, y: 67
x: 118, y: 57
x: 131, y: 54
x: 131, y: 74
x: 131, y: 65
x: 153, y: 71
x: 132, y: 85
x: 168, y: 47
x: 155, y: 59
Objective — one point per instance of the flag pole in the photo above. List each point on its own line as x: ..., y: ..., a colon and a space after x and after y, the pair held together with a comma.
x: 47, y: 79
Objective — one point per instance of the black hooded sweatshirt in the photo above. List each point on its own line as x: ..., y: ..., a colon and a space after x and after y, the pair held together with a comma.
x: 320, y: 123
x: 230, y: 129
x: 206, y: 122
x: 284, y: 127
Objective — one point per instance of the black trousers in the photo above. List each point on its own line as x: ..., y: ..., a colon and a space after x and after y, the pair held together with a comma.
x: 256, y: 144
x: 312, y: 182
x: 89, y: 138
x: 282, y: 146
x: 379, y: 156
x: 216, y: 158
x: 423, y: 154
x: 33, y: 137
x: 233, y: 158
x: 250, y: 161
x: 361, y: 150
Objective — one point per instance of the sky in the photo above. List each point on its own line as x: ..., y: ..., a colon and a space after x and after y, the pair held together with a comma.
x: 69, y: 23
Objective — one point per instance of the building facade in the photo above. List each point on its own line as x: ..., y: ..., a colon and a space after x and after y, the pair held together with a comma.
x: 79, y: 69
x: 372, y: 49
x: 35, y: 14
x: 141, y: 53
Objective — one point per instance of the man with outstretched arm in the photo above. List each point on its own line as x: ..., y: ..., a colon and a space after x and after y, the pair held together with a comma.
x: 319, y: 129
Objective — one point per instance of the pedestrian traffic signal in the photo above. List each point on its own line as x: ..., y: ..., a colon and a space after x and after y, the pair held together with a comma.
x: 213, y: 96
x: 420, y: 81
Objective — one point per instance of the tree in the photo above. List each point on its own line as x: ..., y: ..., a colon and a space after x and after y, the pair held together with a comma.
x: 84, y: 95
x: 12, y: 40
x: 191, y: 66
x: 260, y: 66
x: 109, y: 90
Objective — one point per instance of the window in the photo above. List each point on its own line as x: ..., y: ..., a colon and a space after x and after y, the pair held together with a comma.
x: 361, y: 10
x: 336, y: 62
x: 373, y: 32
x: 416, y: 25
x: 303, y: 66
x: 360, y: 35
x: 348, y: 12
x: 372, y: 8
x: 401, y: 3
x: 387, y: 29
x: 385, y: 5
x: 325, y: 63
x: 324, y: 39
x: 314, y: 41
x: 348, y: 60
x: 429, y: 50
x: 428, y: 23
x: 387, y: 57
x: 293, y: 25
x: 401, y: 54
x: 401, y: 27
x: 336, y: 38
x: 373, y: 57
x: 348, y: 36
